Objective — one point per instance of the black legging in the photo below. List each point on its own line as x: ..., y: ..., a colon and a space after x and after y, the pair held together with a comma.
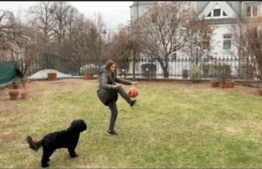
x: 112, y: 104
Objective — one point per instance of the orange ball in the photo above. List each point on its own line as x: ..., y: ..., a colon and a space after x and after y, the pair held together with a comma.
x: 132, y: 92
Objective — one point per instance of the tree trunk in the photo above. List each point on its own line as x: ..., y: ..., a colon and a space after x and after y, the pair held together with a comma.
x: 166, y: 74
x: 164, y: 67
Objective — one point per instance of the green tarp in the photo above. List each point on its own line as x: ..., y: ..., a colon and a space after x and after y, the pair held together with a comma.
x: 7, y: 72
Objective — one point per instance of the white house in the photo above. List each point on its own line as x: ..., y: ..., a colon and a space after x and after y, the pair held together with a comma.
x: 220, y: 14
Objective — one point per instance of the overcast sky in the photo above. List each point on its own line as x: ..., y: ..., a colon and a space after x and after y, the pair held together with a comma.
x: 113, y: 12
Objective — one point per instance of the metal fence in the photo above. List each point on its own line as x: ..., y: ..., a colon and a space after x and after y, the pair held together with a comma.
x: 145, y: 68
x: 187, y: 68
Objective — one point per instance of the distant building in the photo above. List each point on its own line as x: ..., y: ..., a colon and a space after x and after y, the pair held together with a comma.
x: 221, y: 14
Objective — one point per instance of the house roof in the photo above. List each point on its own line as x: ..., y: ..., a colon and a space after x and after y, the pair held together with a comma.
x: 223, y: 4
x: 230, y: 5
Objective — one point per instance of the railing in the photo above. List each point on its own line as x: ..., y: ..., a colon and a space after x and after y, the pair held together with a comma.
x: 176, y: 68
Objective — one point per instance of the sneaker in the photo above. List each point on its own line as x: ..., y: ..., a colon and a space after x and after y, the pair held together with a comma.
x: 113, y: 133
x: 132, y: 103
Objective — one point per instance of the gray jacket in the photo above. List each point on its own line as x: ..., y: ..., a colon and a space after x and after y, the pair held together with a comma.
x: 106, y: 82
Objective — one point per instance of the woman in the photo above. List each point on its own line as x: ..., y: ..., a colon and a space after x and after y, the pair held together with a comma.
x: 108, y: 91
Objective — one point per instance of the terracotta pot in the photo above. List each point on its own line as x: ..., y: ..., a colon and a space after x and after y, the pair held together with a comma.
x: 24, y: 95
x: 222, y: 85
x: 89, y: 75
x: 16, y: 86
x: 260, y: 91
x: 13, y: 95
x: 214, y: 83
x: 230, y: 84
x: 24, y: 84
x: 51, y: 76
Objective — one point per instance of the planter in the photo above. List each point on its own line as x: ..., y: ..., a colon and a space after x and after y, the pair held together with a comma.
x: 51, y: 76
x: 24, y: 95
x: 260, y: 91
x: 16, y: 85
x: 89, y: 75
x: 230, y: 84
x: 222, y: 85
x: 25, y: 84
x: 214, y: 84
x: 13, y: 95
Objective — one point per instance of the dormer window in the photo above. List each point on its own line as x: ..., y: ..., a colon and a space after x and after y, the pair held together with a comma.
x: 217, y: 12
x: 250, y: 9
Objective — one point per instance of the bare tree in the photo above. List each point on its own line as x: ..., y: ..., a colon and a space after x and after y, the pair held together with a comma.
x: 72, y: 15
x: 17, y: 41
x: 155, y: 30
x: 61, y: 10
x: 101, y: 30
x: 120, y: 46
x: 248, y: 35
x: 199, y: 34
x: 42, y: 17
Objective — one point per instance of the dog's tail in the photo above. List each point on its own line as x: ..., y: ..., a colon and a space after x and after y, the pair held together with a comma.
x: 33, y: 145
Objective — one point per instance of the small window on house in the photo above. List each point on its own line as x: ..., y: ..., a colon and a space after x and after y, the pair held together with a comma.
x: 209, y: 15
x: 173, y: 56
x: 248, y: 11
x: 251, y: 10
x: 174, y: 40
x: 254, y: 11
x: 217, y: 12
x: 206, y: 42
x: 227, y: 41
x: 224, y: 14
x: 177, y: 33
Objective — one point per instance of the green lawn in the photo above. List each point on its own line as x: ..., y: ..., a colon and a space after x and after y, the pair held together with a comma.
x: 171, y: 126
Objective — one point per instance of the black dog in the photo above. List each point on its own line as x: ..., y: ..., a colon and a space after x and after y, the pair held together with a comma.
x: 60, y: 139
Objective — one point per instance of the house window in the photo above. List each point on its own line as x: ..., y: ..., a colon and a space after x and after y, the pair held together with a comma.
x: 217, y: 12
x: 173, y: 56
x: 254, y: 11
x: 176, y: 37
x: 250, y: 9
x: 206, y: 42
x: 227, y: 41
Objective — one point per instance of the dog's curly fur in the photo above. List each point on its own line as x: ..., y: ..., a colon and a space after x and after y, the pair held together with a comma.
x: 60, y: 139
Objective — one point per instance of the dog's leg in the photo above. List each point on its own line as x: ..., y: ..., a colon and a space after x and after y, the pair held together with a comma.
x: 45, y: 157
x: 72, y: 152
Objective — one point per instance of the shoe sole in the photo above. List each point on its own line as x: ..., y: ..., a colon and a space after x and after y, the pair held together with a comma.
x: 134, y: 103
x: 113, y: 135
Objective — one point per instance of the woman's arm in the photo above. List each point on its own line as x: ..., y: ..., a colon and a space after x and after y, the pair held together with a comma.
x: 104, y: 82
x: 126, y: 82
